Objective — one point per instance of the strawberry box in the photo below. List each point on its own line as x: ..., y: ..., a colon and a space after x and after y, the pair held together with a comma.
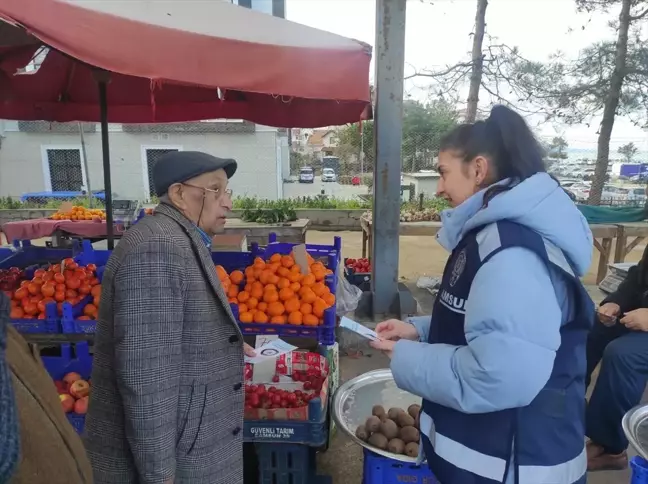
x: 298, y: 391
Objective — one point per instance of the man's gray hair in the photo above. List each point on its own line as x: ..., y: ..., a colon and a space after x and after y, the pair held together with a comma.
x: 165, y: 198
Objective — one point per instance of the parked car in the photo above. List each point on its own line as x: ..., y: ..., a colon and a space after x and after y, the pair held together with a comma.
x: 328, y: 175
x: 306, y: 175
x: 569, y: 182
x: 610, y: 194
x: 580, y: 190
x: 637, y: 195
x: 615, y: 194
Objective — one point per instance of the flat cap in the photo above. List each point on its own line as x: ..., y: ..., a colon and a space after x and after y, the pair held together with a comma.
x: 180, y: 166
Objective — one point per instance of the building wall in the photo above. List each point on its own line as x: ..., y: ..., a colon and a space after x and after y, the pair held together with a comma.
x: 427, y: 185
x: 23, y: 159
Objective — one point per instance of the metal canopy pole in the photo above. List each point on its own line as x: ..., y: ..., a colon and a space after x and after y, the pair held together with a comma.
x: 102, y: 79
x: 388, y: 135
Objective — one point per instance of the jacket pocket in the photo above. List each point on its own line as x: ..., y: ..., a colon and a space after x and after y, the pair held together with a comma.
x: 189, y: 424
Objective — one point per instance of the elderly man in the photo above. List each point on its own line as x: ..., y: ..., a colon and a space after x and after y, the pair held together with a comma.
x: 167, y: 397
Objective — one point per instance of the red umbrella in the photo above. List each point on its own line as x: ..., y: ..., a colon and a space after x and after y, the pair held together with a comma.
x: 162, y: 61
x: 179, y: 61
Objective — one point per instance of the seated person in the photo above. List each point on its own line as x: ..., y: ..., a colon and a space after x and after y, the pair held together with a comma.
x: 620, y: 343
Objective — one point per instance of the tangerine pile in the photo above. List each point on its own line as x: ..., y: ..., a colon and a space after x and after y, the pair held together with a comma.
x: 64, y: 282
x: 277, y: 292
x: 81, y: 213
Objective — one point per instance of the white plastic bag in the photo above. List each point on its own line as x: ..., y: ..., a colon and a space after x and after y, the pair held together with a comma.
x: 347, y: 295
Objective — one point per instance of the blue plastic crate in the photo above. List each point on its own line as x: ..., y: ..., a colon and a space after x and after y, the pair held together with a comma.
x: 382, y: 470
x: 232, y: 261
x: 288, y: 464
x: 90, y: 255
x: 639, y: 468
x: 70, y: 322
x: 330, y: 252
x: 25, y: 254
x: 359, y: 279
x: 312, y: 432
x: 324, y: 334
x: 78, y: 361
x: 49, y: 325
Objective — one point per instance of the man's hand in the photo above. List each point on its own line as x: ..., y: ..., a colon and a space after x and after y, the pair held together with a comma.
x: 248, y: 350
x: 610, y: 309
x: 636, y: 320
x: 608, y: 313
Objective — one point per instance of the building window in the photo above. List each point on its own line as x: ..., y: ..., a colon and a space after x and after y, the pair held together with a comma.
x: 65, y: 169
x: 152, y: 155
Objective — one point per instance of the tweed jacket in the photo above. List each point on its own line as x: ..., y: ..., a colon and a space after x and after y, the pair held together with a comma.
x: 167, y: 382
x: 9, y: 436
x: 51, y: 451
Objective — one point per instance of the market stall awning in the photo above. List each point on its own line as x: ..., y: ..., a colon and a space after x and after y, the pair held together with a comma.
x: 176, y: 61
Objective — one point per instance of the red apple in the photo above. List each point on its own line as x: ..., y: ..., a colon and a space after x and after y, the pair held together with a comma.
x: 71, y: 377
x: 80, y: 389
x: 67, y: 403
x: 61, y: 386
x: 81, y: 406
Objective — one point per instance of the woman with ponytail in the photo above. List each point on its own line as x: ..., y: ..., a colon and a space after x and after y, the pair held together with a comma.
x: 501, y: 364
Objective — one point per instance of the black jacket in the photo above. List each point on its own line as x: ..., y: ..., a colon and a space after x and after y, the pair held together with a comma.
x: 632, y: 293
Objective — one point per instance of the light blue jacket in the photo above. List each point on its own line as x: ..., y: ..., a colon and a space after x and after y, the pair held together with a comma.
x: 514, y: 311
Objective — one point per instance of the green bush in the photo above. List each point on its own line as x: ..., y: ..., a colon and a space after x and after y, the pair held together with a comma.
x: 8, y: 203
x: 317, y: 201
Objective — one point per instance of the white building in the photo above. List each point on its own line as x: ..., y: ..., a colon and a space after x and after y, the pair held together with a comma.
x: 425, y: 182
x: 41, y: 156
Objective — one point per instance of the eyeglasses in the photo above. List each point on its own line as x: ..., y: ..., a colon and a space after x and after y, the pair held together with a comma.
x: 218, y: 192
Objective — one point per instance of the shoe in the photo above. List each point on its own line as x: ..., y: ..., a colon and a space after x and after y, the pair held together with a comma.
x: 593, y: 450
x: 600, y: 461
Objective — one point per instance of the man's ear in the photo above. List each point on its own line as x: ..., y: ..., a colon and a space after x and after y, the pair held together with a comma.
x: 176, y: 195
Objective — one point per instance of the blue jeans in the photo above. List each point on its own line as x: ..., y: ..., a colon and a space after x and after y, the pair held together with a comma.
x: 622, y: 379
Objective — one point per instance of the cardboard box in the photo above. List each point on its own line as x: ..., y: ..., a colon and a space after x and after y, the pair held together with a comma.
x: 304, y: 363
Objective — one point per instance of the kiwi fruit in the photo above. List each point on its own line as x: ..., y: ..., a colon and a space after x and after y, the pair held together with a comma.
x: 396, y: 446
x: 417, y: 421
x: 378, y: 411
x: 405, y: 420
x: 389, y: 429
x: 394, y: 413
x: 361, y: 433
x: 411, y: 449
x: 378, y: 440
x: 414, y: 411
x: 409, y: 434
x: 372, y: 424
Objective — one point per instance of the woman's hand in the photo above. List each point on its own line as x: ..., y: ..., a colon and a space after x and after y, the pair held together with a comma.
x: 394, y: 329
x: 390, y: 332
x: 636, y: 320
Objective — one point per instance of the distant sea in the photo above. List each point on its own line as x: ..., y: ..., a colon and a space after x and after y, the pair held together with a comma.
x: 583, y: 154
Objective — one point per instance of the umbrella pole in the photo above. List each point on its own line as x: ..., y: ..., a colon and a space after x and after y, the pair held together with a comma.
x: 105, y: 148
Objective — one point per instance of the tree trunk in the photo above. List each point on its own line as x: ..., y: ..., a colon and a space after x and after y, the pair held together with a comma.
x: 611, y: 105
x: 477, y: 61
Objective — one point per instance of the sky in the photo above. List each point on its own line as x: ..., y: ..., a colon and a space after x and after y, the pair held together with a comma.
x: 438, y: 34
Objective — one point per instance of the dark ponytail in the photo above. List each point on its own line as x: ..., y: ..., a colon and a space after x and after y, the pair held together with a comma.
x: 506, y: 140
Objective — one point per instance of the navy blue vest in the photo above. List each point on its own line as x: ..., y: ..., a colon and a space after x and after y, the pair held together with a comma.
x: 546, y: 438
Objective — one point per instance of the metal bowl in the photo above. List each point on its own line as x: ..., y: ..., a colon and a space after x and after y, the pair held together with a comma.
x: 635, y: 426
x: 353, y: 401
